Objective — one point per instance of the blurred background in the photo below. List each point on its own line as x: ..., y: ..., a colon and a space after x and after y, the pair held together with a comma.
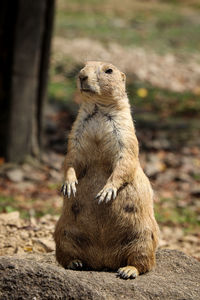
x: 156, y: 43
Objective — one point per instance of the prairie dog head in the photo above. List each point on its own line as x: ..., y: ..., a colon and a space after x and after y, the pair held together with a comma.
x: 102, y: 82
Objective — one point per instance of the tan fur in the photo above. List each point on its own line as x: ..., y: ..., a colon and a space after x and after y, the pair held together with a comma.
x: 103, y: 156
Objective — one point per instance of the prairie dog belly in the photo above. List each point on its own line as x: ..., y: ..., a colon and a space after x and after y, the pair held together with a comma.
x: 96, y: 224
x: 99, y: 220
x: 92, y: 181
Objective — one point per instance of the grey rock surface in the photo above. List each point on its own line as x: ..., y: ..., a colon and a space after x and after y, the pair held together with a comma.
x: 176, y: 277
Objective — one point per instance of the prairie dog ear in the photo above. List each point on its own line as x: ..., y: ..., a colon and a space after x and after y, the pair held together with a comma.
x: 123, y: 76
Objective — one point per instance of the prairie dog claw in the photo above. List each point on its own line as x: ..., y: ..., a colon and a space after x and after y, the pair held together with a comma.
x: 106, y: 194
x: 69, y: 188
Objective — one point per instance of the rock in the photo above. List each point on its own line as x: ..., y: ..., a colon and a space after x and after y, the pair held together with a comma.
x: 196, y: 191
x: 184, y: 177
x: 167, y: 176
x: 55, y: 175
x: 44, y: 244
x: 24, y: 185
x: 53, y: 160
x: 176, y: 277
x: 11, y: 218
x: 35, y: 176
x: 172, y: 160
x: 15, y: 175
x: 161, y: 143
x: 154, y: 165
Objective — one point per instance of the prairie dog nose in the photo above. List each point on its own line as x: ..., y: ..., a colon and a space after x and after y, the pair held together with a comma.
x: 83, y: 77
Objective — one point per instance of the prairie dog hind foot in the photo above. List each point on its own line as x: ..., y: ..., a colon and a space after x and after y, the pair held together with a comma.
x: 128, y: 272
x: 75, y: 264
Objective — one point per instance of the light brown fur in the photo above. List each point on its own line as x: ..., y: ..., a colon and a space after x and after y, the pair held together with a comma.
x: 104, y: 231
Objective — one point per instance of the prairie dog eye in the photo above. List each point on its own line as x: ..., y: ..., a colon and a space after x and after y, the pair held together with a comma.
x: 109, y: 71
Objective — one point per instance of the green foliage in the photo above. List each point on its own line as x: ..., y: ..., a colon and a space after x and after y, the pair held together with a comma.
x: 7, y: 204
x: 167, y: 212
x: 196, y: 176
x: 27, y: 206
x: 63, y: 80
x: 62, y: 90
x: 162, y: 101
x: 163, y: 27
x: 54, y: 186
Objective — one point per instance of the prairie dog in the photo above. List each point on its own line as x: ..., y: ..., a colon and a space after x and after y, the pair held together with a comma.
x: 107, y: 220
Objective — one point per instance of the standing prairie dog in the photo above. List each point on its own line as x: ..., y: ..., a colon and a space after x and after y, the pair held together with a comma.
x: 107, y: 221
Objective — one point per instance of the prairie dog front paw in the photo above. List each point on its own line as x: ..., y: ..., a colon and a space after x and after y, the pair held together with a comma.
x: 68, y: 188
x: 108, y: 193
x: 70, y: 182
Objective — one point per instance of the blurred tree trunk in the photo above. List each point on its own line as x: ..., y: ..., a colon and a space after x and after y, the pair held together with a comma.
x: 25, y: 35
